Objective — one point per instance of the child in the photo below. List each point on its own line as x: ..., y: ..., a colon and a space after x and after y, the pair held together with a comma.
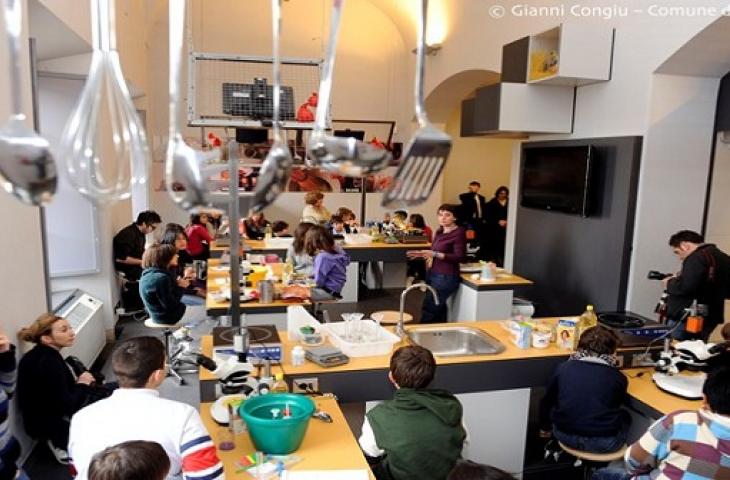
x: 416, y: 267
x: 348, y: 216
x: 158, y: 287
x: 337, y: 224
x: 280, y: 229
x: 583, y: 401
x: 419, y: 433
x: 297, y: 255
x: 130, y: 460
x: 330, y: 263
x: 198, y: 237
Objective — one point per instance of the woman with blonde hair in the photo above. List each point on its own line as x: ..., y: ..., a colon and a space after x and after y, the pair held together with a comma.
x: 314, y: 210
x: 48, y: 392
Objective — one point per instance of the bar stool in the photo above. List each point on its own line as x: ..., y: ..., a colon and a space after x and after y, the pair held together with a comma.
x: 588, y: 459
x: 390, y: 317
x: 174, y: 369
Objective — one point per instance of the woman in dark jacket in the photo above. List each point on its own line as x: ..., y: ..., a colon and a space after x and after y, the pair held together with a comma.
x: 448, y: 250
x: 157, y: 286
x: 48, y: 393
x: 495, y: 226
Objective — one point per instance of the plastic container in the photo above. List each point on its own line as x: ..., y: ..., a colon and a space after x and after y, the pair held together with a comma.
x: 380, y: 341
x: 540, y: 339
x: 297, y: 356
x: 270, y: 429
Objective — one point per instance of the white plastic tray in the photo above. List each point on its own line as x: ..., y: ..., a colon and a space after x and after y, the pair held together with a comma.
x: 383, y: 346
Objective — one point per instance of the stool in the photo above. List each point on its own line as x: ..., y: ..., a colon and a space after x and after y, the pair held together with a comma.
x: 172, y: 360
x: 587, y: 458
x: 390, y: 317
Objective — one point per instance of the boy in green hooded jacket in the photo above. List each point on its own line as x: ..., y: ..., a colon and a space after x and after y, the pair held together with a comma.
x: 419, y: 433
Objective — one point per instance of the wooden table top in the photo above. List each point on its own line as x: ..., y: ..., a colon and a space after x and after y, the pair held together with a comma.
x: 504, y: 279
x: 493, y: 328
x: 261, y: 246
x: 326, y: 446
x: 643, y: 389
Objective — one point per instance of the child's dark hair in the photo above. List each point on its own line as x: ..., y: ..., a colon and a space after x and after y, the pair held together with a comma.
x: 336, y: 219
x: 279, y: 226
x: 195, y: 219
x: 134, y: 360
x: 319, y: 238
x: 417, y: 221
x: 299, y: 234
x: 468, y: 470
x: 599, y: 340
x: 130, y: 461
x: 717, y: 390
x: 172, y: 231
x: 412, y: 367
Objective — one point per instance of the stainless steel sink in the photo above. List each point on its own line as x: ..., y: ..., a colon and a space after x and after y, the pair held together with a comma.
x: 454, y: 341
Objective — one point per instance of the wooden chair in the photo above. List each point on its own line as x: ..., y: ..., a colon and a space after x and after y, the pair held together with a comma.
x: 589, y: 460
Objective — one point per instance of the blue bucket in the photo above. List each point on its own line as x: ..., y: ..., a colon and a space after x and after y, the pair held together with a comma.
x: 272, y: 433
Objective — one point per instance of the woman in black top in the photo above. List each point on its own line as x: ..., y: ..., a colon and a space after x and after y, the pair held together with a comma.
x: 48, y: 393
x: 495, y: 225
x: 192, y: 288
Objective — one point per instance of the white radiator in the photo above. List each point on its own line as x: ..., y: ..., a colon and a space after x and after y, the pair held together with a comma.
x: 84, y: 314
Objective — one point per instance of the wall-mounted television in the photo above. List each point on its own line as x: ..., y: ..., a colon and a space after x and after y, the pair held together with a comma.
x: 558, y: 178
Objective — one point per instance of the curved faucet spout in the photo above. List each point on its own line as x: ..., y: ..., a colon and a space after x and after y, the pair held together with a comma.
x: 400, y: 329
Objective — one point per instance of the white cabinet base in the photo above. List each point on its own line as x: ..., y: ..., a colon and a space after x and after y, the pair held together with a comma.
x: 470, y: 305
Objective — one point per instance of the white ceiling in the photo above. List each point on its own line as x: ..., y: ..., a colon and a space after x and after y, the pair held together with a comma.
x: 53, y: 38
x: 705, y: 55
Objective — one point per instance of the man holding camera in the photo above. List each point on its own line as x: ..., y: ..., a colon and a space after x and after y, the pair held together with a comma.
x: 705, y: 277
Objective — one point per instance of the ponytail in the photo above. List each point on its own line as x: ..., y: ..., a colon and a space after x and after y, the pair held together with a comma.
x: 42, y: 326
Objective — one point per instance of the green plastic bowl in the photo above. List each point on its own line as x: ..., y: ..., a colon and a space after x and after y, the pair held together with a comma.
x: 272, y: 433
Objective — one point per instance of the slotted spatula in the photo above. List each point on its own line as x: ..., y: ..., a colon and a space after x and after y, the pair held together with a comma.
x: 427, y: 151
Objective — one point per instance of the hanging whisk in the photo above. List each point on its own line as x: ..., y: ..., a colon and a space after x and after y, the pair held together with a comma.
x: 104, y: 143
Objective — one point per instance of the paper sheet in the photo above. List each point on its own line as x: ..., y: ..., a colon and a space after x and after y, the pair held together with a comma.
x: 325, y: 475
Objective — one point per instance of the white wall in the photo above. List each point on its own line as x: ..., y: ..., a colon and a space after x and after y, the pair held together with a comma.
x: 718, y: 220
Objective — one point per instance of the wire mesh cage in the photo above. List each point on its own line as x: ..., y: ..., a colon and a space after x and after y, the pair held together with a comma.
x: 237, y: 91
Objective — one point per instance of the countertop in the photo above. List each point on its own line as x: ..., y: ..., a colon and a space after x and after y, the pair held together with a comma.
x: 504, y: 279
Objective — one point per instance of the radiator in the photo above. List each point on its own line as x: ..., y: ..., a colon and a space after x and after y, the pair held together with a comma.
x: 84, y: 314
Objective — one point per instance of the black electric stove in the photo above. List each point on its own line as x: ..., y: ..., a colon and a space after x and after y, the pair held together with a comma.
x: 636, y: 334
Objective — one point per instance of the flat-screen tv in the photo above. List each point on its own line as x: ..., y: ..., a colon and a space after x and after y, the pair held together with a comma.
x: 558, y: 179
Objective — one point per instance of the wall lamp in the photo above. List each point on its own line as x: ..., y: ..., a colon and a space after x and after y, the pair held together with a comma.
x: 431, y: 50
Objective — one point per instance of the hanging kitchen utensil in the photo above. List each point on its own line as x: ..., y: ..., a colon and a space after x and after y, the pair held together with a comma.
x: 27, y: 170
x: 187, y: 171
x: 427, y: 151
x: 274, y: 173
x: 103, y: 143
x: 347, y: 156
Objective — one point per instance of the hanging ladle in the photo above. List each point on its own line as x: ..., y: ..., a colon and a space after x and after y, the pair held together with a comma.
x: 27, y: 170
x: 347, y: 156
x: 274, y: 173
x: 103, y: 143
x: 185, y: 167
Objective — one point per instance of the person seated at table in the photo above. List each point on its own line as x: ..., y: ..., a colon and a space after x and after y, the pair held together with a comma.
x: 468, y: 470
x: 132, y: 460
x: 314, y: 210
x: 128, y: 244
x: 684, y: 444
x: 583, y: 401
x: 302, y: 262
x: 400, y: 218
x: 48, y: 392
x: 280, y: 229
x: 419, y: 433
x: 416, y: 222
x: 10, y: 449
x: 416, y: 267
x: 158, y: 288
x: 199, y: 239
x: 337, y: 226
x: 348, y: 216
x: 136, y: 411
x: 193, y: 289
x: 330, y: 263
x: 254, y: 227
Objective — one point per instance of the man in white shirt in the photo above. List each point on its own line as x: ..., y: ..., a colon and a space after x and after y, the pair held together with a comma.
x: 136, y: 412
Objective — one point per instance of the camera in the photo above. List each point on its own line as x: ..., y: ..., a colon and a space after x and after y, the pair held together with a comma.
x: 656, y: 275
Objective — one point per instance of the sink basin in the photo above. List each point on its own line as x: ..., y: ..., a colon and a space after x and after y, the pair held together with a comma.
x: 455, y: 341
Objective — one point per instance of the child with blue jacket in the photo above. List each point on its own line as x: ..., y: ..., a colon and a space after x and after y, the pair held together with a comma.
x: 330, y: 263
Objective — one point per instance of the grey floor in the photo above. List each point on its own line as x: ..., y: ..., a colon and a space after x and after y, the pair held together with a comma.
x: 41, y: 464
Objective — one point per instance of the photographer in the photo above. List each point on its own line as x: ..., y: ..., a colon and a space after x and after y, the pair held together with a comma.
x: 705, y: 277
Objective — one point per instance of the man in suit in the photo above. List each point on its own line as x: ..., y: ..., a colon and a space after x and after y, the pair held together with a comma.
x: 472, y: 215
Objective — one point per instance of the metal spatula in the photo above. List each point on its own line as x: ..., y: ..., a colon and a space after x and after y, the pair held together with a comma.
x: 347, y: 156
x: 428, y: 149
x: 274, y: 173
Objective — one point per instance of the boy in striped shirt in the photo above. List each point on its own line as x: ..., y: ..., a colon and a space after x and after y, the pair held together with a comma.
x: 9, y: 447
x: 136, y: 412
x: 684, y: 445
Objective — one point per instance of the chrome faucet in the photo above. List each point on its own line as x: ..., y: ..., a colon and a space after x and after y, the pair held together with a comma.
x: 400, y: 329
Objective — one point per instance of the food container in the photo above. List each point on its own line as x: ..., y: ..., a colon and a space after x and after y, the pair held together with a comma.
x: 270, y: 429
x: 567, y: 333
x: 540, y: 339
x: 376, y: 339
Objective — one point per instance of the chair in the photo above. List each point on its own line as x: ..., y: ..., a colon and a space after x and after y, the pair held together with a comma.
x: 129, y: 297
x: 588, y: 460
x: 176, y: 367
